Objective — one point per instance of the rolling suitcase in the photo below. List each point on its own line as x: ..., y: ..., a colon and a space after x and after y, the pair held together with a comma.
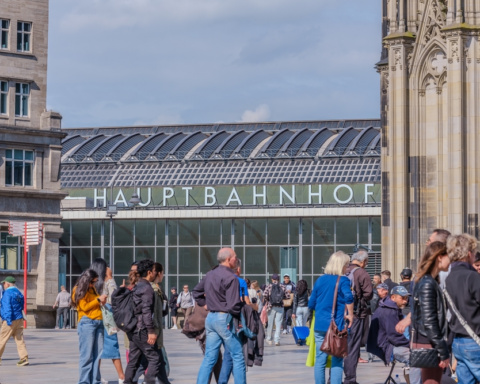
x: 300, y: 334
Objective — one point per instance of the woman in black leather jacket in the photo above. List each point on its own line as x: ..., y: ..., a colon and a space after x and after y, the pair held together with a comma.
x: 429, y: 313
x: 300, y: 304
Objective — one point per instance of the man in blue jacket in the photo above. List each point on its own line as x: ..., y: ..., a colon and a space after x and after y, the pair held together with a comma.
x: 383, y: 340
x: 12, y: 316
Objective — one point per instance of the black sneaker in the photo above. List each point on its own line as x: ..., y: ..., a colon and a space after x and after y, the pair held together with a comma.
x: 22, y: 363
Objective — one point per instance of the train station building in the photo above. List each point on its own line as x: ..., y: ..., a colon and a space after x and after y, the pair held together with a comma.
x: 284, y: 195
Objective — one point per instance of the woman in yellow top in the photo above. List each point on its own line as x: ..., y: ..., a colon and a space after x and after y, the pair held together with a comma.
x: 90, y: 326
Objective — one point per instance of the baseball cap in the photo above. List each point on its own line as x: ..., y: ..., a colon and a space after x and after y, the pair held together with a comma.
x: 400, y: 290
x: 9, y: 279
x: 407, y: 272
x: 286, y: 275
x: 275, y: 276
x: 382, y: 286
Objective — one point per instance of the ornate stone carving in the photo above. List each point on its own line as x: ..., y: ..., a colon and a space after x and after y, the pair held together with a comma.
x: 454, y: 51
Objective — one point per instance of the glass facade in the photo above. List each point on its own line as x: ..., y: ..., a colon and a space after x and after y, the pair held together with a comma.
x: 188, y: 248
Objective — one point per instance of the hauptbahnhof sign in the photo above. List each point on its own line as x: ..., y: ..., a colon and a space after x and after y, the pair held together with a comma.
x: 259, y: 195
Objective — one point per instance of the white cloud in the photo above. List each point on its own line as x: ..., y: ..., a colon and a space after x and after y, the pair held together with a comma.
x: 262, y: 113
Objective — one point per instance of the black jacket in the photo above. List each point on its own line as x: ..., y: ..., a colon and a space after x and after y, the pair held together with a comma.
x: 172, y: 303
x: 391, y: 284
x: 463, y: 286
x: 382, y: 336
x: 144, y: 302
x: 375, y: 301
x: 429, y: 314
x: 300, y: 301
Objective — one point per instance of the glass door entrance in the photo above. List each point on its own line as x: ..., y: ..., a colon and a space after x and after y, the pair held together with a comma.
x: 289, y: 262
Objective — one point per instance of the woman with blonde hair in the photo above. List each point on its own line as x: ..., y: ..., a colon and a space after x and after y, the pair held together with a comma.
x: 462, y: 291
x: 321, y: 301
x: 429, y: 320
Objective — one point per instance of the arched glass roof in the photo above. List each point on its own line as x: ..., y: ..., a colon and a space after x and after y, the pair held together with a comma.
x: 315, y: 142
x: 225, y: 150
x: 185, y: 145
x: 247, y: 146
x: 209, y: 145
x: 71, y: 141
x: 273, y: 145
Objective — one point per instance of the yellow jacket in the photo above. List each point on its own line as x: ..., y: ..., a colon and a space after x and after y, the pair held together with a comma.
x: 89, y: 306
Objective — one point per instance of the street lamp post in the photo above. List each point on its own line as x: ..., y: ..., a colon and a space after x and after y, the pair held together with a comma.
x: 112, y: 208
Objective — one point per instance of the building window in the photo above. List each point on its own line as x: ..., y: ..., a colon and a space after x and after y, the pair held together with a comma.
x: 11, y: 252
x: 24, y: 36
x: 19, y: 168
x: 3, y: 97
x: 22, y: 92
x: 4, y: 28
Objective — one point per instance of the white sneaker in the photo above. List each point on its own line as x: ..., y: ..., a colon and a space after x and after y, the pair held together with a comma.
x: 269, y: 342
x: 175, y: 327
x: 277, y: 344
x: 120, y: 381
x: 289, y: 329
x: 284, y: 332
x: 103, y: 381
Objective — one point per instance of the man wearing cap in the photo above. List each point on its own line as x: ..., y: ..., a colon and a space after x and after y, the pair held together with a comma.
x: 12, y: 316
x: 383, y: 340
x: 406, y: 282
x: 274, y: 295
x: 380, y: 292
x: 287, y: 310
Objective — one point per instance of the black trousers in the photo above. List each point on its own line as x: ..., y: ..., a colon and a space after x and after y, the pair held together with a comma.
x: 65, y: 312
x: 139, y: 348
x: 162, y: 369
x: 287, y: 317
x: 354, y: 344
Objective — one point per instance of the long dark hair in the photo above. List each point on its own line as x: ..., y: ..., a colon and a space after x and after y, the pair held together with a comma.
x: 83, y: 284
x: 429, y: 258
x: 302, y: 286
x: 99, y: 265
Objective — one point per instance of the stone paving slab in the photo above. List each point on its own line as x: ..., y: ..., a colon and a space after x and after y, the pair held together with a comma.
x: 53, y: 356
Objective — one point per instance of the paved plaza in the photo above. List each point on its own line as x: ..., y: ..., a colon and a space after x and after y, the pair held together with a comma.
x: 53, y: 358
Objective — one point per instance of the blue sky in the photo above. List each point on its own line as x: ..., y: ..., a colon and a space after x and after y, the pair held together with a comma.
x: 134, y: 62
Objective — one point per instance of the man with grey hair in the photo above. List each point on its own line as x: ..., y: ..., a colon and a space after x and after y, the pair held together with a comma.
x: 219, y: 293
x: 362, y: 293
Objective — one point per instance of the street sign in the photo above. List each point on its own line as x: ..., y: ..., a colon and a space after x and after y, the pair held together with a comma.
x: 32, y: 234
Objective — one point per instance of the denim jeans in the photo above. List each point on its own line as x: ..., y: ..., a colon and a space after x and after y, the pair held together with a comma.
x: 302, y: 316
x: 218, y: 331
x: 321, y: 361
x: 467, y: 353
x: 90, y: 342
x: 402, y: 355
x: 227, y: 368
x: 275, y: 315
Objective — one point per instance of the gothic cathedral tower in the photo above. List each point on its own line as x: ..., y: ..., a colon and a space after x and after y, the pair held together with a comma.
x: 430, y: 100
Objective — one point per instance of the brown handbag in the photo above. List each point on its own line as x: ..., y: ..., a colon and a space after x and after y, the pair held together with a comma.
x: 335, y: 342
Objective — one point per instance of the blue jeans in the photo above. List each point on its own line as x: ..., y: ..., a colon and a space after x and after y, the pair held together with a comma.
x: 275, y: 315
x: 219, y: 331
x: 90, y: 343
x: 302, y: 316
x: 227, y: 368
x: 467, y: 353
x: 336, y: 372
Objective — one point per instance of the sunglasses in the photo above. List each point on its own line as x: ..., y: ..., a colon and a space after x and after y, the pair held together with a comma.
x: 94, y: 281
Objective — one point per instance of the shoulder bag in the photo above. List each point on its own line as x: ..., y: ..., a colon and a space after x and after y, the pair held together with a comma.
x: 336, y: 341
x: 421, y: 357
x: 460, y: 317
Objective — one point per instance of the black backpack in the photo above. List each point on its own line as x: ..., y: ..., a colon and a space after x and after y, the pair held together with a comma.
x: 276, y: 296
x: 123, y: 309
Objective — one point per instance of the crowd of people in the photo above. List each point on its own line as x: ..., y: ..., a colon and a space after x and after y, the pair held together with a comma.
x: 429, y: 321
